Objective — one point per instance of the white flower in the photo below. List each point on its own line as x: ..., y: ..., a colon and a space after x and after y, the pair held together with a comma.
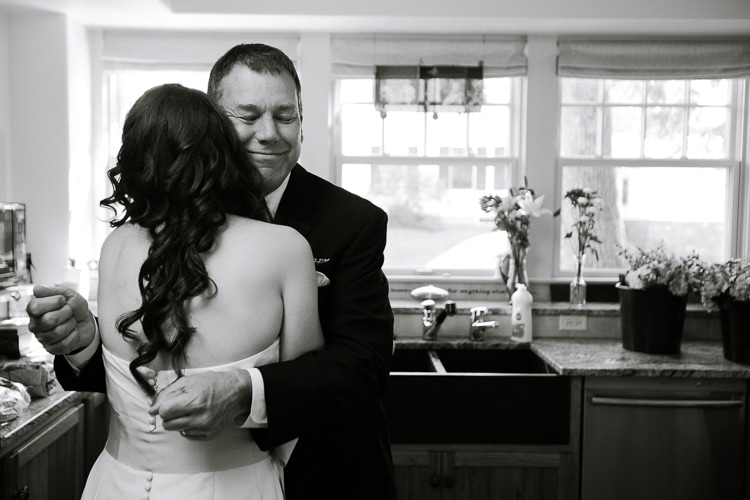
x: 531, y: 206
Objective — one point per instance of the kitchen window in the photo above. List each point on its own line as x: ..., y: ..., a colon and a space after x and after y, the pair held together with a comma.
x: 427, y: 170
x: 428, y: 165
x: 657, y: 129
x: 662, y: 154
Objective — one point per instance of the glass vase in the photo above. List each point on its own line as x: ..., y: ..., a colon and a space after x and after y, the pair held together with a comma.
x: 578, y: 285
x: 517, y: 272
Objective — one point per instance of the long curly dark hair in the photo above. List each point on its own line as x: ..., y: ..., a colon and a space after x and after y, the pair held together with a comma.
x: 180, y: 171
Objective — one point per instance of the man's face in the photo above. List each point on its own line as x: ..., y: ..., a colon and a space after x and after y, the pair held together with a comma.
x: 264, y: 110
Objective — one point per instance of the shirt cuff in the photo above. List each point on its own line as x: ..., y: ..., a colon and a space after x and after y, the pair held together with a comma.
x: 258, y: 416
x: 79, y: 360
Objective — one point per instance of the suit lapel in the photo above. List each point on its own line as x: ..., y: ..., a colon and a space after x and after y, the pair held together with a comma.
x: 296, y: 202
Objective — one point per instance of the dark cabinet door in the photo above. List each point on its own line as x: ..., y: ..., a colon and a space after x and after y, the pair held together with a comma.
x: 50, y: 465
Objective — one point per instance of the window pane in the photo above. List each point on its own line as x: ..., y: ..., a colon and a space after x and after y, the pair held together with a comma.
x: 578, y: 131
x: 580, y: 90
x: 647, y: 206
x: 446, y: 134
x: 666, y: 92
x: 621, y: 136
x: 707, y: 133
x: 404, y: 133
x: 434, y: 217
x: 664, y: 132
x: 710, y: 92
x: 489, y: 132
x: 623, y: 91
x: 361, y: 130
x: 497, y: 90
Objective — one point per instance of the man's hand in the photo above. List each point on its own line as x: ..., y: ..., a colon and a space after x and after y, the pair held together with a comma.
x: 60, y: 319
x: 200, y: 406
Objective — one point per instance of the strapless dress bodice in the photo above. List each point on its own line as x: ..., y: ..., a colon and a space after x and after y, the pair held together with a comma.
x: 141, y: 455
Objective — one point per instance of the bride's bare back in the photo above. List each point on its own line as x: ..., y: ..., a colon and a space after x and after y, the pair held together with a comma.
x: 266, y: 285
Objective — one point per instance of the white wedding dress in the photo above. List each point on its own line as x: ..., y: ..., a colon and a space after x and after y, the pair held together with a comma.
x: 142, y: 460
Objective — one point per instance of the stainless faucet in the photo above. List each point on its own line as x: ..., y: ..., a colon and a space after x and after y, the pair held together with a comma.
x: 478, y: 323
x: 431, y: 322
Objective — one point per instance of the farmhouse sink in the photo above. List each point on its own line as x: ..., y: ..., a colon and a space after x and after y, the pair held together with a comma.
x: 476, y: 396
x: 468, y: 361
x: 414, y: 361
x: 508, y: 361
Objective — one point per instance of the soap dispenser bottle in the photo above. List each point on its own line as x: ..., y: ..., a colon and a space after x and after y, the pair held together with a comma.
x: 520, y: 320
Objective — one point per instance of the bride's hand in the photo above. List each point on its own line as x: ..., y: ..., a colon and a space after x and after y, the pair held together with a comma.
x: 199, y: 406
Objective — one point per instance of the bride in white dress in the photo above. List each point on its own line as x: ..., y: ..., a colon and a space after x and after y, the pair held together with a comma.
x: 189, y: 270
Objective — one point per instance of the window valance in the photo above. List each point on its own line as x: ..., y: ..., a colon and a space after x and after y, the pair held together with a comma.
x: 654, y: 59
x: 176, y: 50
x: 358, y: 55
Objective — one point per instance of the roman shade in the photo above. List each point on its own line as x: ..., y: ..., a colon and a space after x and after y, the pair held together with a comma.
x: 654, y: 59
x: 175, y: 50
x: 358, y: 55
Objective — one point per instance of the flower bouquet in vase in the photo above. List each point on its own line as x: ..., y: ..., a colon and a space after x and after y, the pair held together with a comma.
x: 726, y: 287
x: 513, y: 214
x: 653, y: 299
x: 585, y: 205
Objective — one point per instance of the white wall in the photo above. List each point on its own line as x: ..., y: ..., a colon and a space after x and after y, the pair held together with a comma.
x: 315, y: 77
x: 4, y: 112
x: 39, y: 135
x: 80, y: 120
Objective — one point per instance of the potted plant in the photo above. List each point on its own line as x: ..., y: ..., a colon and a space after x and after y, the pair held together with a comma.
x: 653, y: 298
x: 726, y: 287
x: 513, y: 214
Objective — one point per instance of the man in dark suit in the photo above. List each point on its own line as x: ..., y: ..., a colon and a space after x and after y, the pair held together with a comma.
x: 330, y: 400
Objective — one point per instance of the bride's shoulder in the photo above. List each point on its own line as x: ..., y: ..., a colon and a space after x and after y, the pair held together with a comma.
x: 265, y: 239
x: 127, y: 233
x: 263, y: 231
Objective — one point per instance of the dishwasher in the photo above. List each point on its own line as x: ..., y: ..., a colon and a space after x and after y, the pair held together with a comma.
x: 663, y: 438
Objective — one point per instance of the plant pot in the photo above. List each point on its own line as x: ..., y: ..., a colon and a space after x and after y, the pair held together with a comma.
x: 735, y: 331
x: 652, y: 320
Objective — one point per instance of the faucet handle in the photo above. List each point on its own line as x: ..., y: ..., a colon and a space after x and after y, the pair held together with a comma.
x: 429, y: 292
x: 478, y: 323
x: 477, y: 313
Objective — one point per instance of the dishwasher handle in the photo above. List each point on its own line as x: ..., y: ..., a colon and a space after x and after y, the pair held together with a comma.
x: 668, y: 403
